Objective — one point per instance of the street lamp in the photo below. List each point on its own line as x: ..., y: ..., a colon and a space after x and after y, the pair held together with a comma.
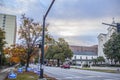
x: 0, y: 59
x: 43, y: 36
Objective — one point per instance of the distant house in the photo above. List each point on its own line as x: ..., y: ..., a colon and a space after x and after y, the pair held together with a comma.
x: 84, y: 54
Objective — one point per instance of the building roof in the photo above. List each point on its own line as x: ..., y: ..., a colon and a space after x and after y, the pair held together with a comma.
x: 84, y: 53
x: 101, y: 35
x: 8, y: 14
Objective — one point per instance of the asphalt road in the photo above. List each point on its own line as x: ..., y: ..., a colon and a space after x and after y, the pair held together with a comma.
x: 76, y: 74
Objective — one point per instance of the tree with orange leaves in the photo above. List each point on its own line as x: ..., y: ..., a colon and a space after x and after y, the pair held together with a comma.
x: 30, y: 34
x: 15, y: 54
x: 2, y: 45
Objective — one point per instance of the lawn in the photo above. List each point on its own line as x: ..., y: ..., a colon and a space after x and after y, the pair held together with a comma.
x: 99, y: 70
x: 29, y: 76
x: 25, y: 76
x: 108, y: 71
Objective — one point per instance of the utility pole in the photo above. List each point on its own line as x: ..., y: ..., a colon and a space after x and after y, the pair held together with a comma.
x: 43, y: 40
x: 117, y: 25
x: 0, y: 60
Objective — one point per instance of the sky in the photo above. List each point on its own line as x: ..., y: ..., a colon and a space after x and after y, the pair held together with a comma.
x: 79, y: 22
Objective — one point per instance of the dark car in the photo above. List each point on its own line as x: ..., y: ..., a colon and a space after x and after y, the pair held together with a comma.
x: 65, y: 66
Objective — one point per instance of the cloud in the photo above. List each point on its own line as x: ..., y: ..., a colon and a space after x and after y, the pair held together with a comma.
x: 79, y: 41
x: 79, y: 31
x: 18, y: 7
x: 12, y: 7
x: 78, y: 21
x: 1, y: 3
x: 76, y: 27
x: 85, y: 9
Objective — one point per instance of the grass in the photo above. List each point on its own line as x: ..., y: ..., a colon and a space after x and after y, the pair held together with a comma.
x: 108, y: 71
x: 25, y: 76
x: 29, y: 76
x: 99, y: 70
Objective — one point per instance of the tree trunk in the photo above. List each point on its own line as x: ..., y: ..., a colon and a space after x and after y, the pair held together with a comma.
x: 58, y: 62
x: 27, y: 65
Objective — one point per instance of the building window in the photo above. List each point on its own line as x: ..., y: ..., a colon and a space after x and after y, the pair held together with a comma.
x: 75, y: 57
x: 92, y: 57
x: 4, y: 19
x: 86, y: 57
x: 80, y: 57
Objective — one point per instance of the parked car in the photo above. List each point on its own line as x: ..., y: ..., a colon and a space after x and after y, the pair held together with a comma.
x: 65, y: 66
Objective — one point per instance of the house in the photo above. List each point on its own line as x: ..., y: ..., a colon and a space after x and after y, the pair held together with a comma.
x: 84, y: 54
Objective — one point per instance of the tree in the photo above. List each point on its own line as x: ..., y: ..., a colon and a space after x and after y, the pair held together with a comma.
x: 16, y: 54
x: 2, y: 45
x: 95, y: 61
x: 30, y: 33
x: 100, y: 59
x: 2, y: 39
x: 59, y: 50
x: 112, y: 47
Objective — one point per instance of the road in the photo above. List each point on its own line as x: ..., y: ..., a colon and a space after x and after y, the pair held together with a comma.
x: 76, y: 74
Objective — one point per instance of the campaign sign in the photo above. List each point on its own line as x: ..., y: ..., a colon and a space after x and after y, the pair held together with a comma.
x: 35, y: 70
x: 38, y: 72
x: 12, y: 75
x: 29, y: 69
x: 20, y: 70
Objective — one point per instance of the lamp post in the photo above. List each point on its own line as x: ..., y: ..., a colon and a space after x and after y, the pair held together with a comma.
x: 43, y: 36
x: 0, y: 59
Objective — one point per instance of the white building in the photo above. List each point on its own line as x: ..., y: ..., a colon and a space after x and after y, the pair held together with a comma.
x: 84, y: 57
x: 84, y: 54
x: 8, y: 24
x: 103, y: 38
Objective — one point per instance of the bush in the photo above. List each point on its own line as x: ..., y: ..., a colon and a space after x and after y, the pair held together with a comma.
x: 101, y: 65
x: 86, y: 65
x: 107, y: 65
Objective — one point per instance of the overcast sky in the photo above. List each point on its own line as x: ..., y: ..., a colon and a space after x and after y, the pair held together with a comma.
x: 78, y: 21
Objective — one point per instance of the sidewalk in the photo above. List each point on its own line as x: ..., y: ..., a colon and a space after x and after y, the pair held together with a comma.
x: 4, y: 72
x: 3, y: 75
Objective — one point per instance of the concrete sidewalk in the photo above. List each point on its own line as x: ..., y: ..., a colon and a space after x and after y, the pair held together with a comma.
x: 4, y: 72
x: 3, y: 75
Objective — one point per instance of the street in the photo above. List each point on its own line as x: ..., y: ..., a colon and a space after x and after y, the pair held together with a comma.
x: 75, y: 74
